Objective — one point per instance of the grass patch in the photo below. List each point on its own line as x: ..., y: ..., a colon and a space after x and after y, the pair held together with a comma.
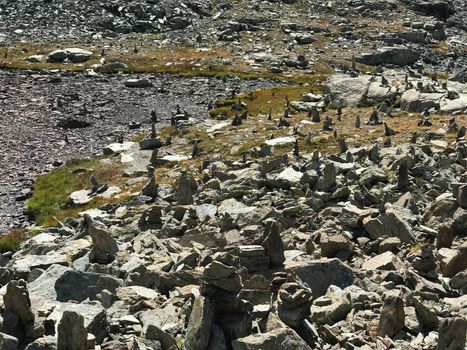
x: 11, y: 241
x: 50, y: 200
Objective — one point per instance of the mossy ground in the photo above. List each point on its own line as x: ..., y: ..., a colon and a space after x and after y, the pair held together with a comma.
x: 50, y: 201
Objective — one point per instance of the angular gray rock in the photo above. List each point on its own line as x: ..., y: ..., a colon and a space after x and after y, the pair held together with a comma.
x: 199, y: 326
x: 392, y: 317
x: 272, y: 243
x: 318, y: 275
x: 71, y: 334
x: 452, y: 334
x: 104, y: 246
x: 277, y: 339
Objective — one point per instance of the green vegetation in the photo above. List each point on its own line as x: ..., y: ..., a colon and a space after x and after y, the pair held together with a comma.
x: 50, y: 200
x: 12, y: 240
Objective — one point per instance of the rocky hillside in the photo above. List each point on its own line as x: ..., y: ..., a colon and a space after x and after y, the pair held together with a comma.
x: 234, y: 175
x: 281, y: 248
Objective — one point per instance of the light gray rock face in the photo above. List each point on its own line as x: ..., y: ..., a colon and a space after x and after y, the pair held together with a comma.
x: 318, y: 275
x: 415, y: 101
x: 71, y: 332
x: 199, y: 325
x: 95, y: 319
x: 104, y: 246
x: 347, y: 91
x: 75, y: 55
x: 160, y: 325
x: 389, y: 224
x: 278, y: 339
x: 137, y: 83
x: 78, y: 286
x: 43, y: 288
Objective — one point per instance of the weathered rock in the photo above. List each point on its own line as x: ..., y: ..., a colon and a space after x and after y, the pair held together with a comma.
x: 318, y: 275
x: 392, y: 317
x: 78, y: 285
x: 385, y: 261
x: 330, y: 309
x: 199, y: 326
x: 16, y: 300
x: 397, y: 55
x: 278, y: 339
x: 272, y: 243
x: 294, y: 302
x: 452, y: 334
x: 184, y: 193
x: 71, y: 332
x: 8, y: 342
x: 457, y: 263
x: 332, y: 246
x: 104, y: 245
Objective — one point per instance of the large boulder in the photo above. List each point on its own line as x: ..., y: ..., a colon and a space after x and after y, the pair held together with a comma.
x: 415, y: 101
x: 397, y: 55
x: 318, y: 275
x: 347, y: 91
x: 71, y: 332
x: 79, y: 286
x: 73, y: 54
x: 199, y: 325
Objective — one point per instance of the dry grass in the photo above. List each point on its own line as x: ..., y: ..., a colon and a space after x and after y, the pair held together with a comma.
x: 12, y: 240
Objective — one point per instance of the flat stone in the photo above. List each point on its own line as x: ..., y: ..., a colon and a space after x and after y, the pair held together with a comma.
x: 384, y: 261
x: 280, y: 141
x: 137, y: 83
x: 118, y: 147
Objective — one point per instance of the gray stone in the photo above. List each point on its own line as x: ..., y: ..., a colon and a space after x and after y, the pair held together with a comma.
x: 398, y: 55
x: 318, y: 275
x: 452, y: 334
x: 78, y: 285
x: 392, y: 317
x: 8, y: 342
x: 199, y: 326
x: 137, y: 83
x: 71, y: 332
x: 272, y: 243
x: 328, y: 182
x: 184, y: 193
x: 277, y: 339
x: 104, y: 246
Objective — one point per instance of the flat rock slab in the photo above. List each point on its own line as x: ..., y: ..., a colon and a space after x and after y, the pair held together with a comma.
x: 346, y: 90
x: 234, y: 208
x: 118, y: 147
x: 280, y: 141
x: 137, y: 83
x: 39, y: 261
x: 320, y: 274
x: 85, y: 196
x: 217, y: 126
